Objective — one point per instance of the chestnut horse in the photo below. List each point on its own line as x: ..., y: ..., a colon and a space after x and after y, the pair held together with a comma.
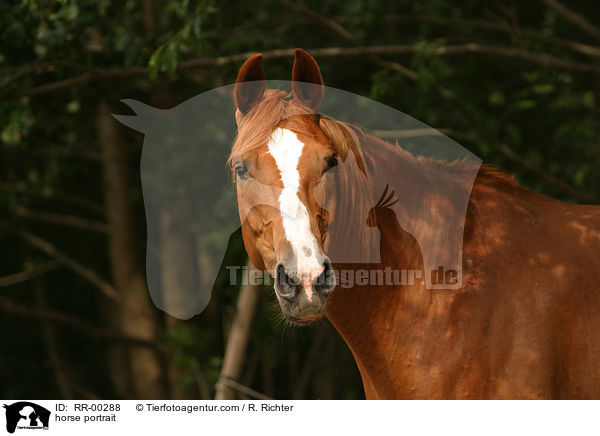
x: 526, y: 321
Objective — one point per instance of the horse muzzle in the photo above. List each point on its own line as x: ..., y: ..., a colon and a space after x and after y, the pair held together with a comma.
x: 303, y: 296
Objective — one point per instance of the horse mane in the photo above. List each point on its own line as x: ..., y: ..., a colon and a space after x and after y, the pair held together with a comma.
x: 495, y: 174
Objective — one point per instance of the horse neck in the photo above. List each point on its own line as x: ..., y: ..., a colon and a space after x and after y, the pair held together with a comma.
x: 380, y: 323
x: 362, y: 314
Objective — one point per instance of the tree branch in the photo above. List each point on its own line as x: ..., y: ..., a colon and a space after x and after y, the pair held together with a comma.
x: 542, y: 59
x: 89, y: 275
x: 75, y: 324
x: 573, y: 17
x: 61, y: 84
x: 411, y: 133
x: 300, y: 6
x: 522, y: 161
x: 236, y: 386
x: 575, y: 46
x: 67, y: 220
x: 65, y: 198
x: 24, y: 276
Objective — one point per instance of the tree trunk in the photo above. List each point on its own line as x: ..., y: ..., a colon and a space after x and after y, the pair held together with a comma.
x: 237, y: 342
x: 59, y: 367
x: 136, y: 314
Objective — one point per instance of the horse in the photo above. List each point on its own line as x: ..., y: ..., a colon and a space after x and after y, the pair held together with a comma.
x: 525, y: 320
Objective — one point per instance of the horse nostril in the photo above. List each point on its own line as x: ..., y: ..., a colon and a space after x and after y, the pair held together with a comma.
x: 287, y: 286
x: 325, y: 283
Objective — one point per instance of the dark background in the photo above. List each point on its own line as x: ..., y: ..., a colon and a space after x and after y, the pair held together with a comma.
x: 515, y: 82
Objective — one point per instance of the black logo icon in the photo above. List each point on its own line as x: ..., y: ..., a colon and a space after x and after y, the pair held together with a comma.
x: 26, y: 415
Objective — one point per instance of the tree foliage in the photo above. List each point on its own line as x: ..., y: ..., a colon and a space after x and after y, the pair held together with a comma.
x: 517, y: 83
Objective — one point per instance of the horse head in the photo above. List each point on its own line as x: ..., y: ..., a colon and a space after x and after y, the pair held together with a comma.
x: 295, y: 155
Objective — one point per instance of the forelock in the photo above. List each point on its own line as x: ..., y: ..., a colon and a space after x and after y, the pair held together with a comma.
x: 256, y: 127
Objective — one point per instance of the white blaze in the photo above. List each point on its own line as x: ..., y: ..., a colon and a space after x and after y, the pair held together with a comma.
x: 286, y: 149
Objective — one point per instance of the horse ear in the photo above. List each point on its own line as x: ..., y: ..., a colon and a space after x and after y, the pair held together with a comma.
x: 246, y: 94
x: 306, y: 70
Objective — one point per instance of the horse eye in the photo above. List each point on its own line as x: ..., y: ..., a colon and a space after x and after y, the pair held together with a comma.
x: 332, y: 161
x: 241, y: 172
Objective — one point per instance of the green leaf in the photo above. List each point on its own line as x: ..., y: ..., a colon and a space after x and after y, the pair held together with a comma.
x: 154, y: 63
x: 579, y: 176
x: 588, y: 99
x: 525, y: 104
x: 497, y: 98
x: 531, y: 76
x: 426, y: 78
x: 545, y: 88
x: 439, y: 67
x: 73, y: 107
x: 170, y: 59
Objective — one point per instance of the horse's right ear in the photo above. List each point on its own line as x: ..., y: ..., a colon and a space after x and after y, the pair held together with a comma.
x: 250, y: 84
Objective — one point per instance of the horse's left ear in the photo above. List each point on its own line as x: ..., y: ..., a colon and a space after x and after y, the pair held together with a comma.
x: 306, y: 70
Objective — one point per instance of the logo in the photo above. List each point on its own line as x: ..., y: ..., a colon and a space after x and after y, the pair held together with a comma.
x: 26, y: 415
